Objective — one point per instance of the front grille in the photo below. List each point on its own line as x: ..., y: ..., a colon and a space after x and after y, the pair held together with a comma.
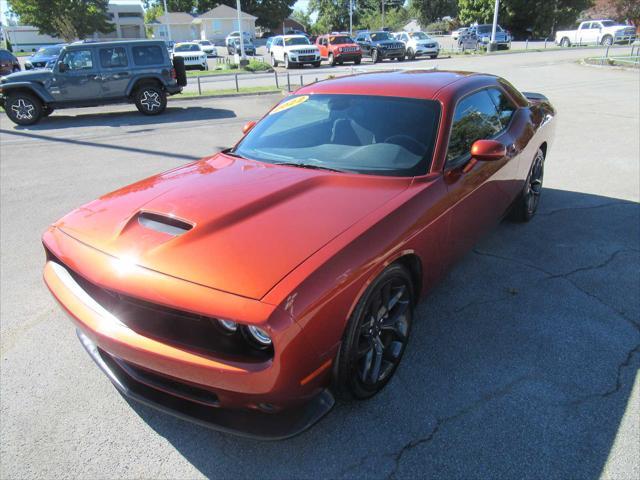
x: 349, y: 49
x: 307, y: 58
x: 39, y: 64
x: 305, y: 51
x: 430, y: 45
x: 192, y: 59
x: 394, y: 46
x: 185, y: 330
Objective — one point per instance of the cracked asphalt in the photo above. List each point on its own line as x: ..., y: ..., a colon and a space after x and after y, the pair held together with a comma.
x: 523, y: 362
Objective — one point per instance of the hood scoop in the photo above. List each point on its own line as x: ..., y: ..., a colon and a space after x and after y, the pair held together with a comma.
x: 163, y: 224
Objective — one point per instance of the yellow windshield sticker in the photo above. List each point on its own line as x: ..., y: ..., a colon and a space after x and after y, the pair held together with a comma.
x: 290, y: 103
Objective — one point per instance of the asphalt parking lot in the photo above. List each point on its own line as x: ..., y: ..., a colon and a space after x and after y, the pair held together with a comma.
x: 523, y: 362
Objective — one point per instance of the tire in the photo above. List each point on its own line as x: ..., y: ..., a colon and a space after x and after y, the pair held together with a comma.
x: 332, y: 60
x: 357, y: 61
x: 181, y: 71
x: 317, y: 64
x: 526, y: 205
x: 287, y: 64
x: 373, y: 343
x: 150, y: 100
x: 401, y: 59
x: 274, y: 62
x: 565, y: 42
x: 46, y: 111
x: 411, y: 55
x: 375, y: 56
x: 23, y: 108
x: 433, y: 57
x: 607, y: 40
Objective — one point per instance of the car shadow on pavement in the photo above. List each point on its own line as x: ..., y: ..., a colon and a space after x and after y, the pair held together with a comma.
x: 520, y: 365
x: 122, y: 118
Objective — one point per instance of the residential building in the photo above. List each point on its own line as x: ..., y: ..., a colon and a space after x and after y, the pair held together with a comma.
x: 213, y: 25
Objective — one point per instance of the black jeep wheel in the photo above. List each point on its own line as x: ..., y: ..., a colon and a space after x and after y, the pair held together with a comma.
x: 375, y: 56
x: 526, y: 204
x: 150, y: 100
x: 23, y: 108
x: 376, y: 336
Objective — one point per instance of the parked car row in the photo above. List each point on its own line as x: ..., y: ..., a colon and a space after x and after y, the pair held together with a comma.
x: 338, y: 48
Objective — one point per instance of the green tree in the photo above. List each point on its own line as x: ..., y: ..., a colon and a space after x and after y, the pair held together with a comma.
x: 333, y: 15
x: 302, y: 17
x: 67, y: 19
x: 628, y: 10
x: 427, y: 11
x: 537, y: 18
x: 151, y: 13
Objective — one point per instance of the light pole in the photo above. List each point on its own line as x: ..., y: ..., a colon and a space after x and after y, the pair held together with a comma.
x: 350, y: 17
x: 243, y: 58
x: 492, y: 44
x: 383, y: 1
x: 166, y: 14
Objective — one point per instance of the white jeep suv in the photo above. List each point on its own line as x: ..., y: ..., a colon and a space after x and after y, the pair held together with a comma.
x: 294, y: 50
x: 192, y: 54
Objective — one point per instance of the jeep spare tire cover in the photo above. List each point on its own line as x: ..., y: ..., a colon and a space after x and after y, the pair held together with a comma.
x: 181, y: 71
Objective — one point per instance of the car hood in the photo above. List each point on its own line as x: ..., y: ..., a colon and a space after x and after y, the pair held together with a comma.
x: 28, y: 76
x: 41, y: 58
x: 188, y: 54
x: 246, y: 224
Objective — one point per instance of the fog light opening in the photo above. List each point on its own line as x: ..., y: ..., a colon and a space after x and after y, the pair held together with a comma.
x: 228, y: 325
x: 259, y: 336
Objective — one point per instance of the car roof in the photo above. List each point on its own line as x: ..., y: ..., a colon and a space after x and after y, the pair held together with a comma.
x: 423, y: 84
x: 292, y: 36
x: 113, y: 42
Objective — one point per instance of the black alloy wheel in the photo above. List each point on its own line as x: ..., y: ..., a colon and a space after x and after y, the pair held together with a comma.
x: 527, y: 203
x: 376, y: 335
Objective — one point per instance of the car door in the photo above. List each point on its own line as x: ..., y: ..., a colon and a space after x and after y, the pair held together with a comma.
x: 114, y: 70
x: 365, y: 44
x: 321, y: 47
x: 478, y: 202
x: 76, y: 76
x: 277, y: 49
x: 595, y: 33
x: 583, y: 33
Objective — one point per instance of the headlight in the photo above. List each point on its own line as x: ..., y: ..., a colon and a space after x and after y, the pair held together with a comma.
x: 259, y: 335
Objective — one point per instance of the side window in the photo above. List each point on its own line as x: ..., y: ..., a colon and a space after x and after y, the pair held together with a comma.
x: 595, y: 25
x: 113, y: 57
x: 505, y: 106
x: 147, y: 55
x: 475, y: 118
x: 79, y: 60
x: 585, y: 26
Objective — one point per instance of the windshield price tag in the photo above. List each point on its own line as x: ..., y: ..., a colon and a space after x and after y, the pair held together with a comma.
x: 289, y: 104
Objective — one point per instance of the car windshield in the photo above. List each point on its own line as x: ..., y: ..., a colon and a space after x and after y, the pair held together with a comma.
x: 187, y: 47
x: 378, y: 36
x: 296, y: 41
x: 392, y: 136
x: 49, y: 51
x: 340, y: 40
x: 607, y: 23
x: 419, y: 36
x: 483, y: 29
x: 205, y: 42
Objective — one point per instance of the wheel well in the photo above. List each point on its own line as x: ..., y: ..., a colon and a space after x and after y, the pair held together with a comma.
x: 413, y: 264
x: 144, y: 82
x: 26, y: 90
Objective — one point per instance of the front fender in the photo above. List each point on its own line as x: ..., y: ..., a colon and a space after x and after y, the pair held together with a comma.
x: 36, y: 88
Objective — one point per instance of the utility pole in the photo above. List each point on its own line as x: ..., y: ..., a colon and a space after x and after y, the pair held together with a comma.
x: 243, y: 58
x: 350, y: 17
x: 166, y: 14
x: 492, y: 45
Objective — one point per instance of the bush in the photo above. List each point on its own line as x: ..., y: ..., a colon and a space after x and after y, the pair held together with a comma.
x: 441, y: 26
x: 258, y: 66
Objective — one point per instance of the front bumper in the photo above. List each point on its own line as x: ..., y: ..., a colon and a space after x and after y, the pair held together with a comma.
x: 302, y: 59
x: 422, y: 50
x: 392, y: 53
x: 348, y: 57
x: 244, y: 389
x: 246, y: 423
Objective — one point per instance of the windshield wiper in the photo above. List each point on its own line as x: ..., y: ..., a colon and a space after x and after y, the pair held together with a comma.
x: 230, y: 152
x: 310, y: 166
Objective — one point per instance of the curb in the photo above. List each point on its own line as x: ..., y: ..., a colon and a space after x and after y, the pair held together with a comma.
x: 175, y: 98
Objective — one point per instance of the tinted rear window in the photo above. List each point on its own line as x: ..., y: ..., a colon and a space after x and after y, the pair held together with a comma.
x: 147, y: 55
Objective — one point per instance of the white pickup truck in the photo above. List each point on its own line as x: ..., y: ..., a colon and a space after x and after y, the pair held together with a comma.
x: 596, y: 32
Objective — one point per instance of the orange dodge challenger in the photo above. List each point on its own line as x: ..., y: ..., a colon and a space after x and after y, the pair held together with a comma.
x: 246, y: 290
